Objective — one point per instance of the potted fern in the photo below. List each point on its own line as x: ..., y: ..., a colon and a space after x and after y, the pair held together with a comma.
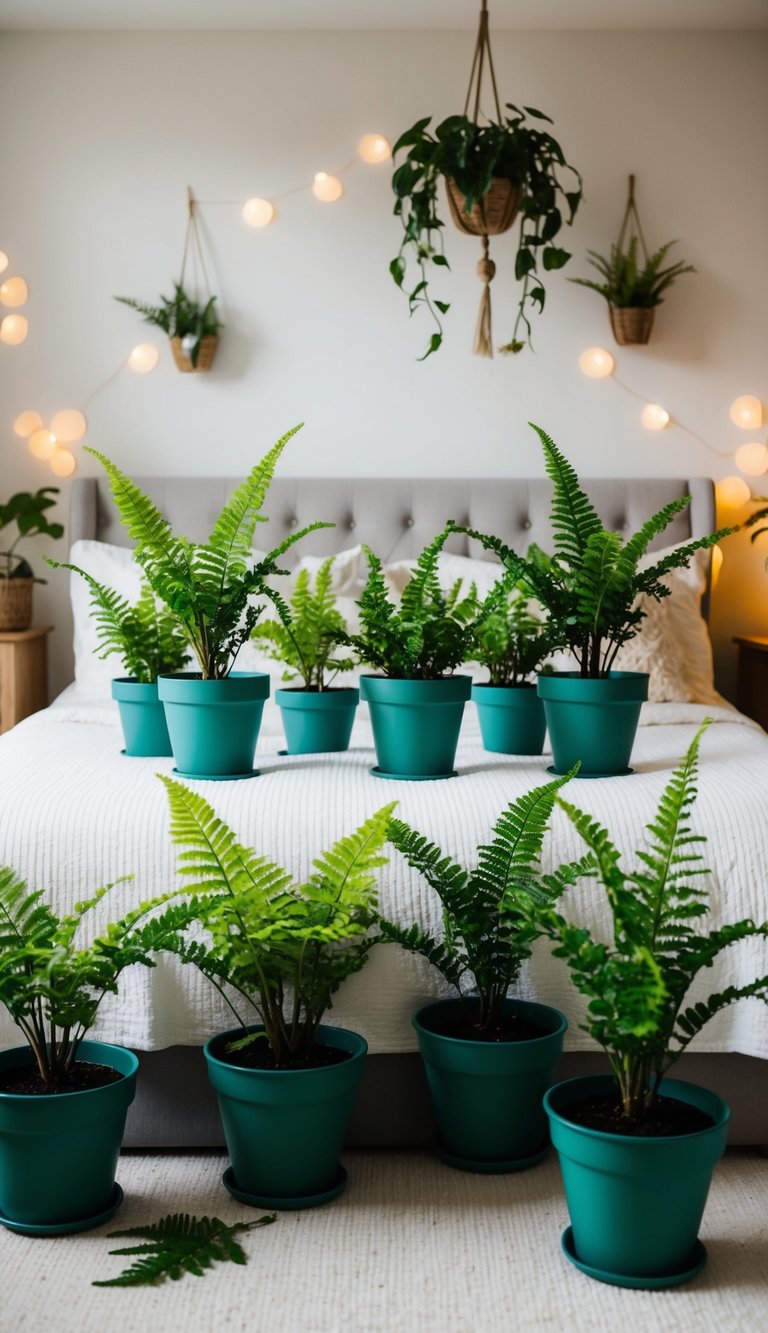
x: 192, y: 327
x: 213, y: 713
x: 590, y: 589
x: 511, y: 642
x: 416, y: 703
x: 488, y: 1058
x: 632, y: 289
x: 28, y: 512
x: 149, y: 641
x: 317, y: 717
x: 287, y: 1081
x: 621, y: 1136
x: 64, y: 1099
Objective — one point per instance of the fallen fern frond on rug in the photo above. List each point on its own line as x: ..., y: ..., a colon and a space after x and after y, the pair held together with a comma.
x: 180, y: 1244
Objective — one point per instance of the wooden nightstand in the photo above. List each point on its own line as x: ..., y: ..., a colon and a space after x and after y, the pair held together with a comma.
x: 23, y: 673
x: 752, y: 680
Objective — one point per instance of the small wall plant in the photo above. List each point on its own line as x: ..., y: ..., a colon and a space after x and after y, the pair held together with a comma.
x: 180, y: 316
x: 628, y: 284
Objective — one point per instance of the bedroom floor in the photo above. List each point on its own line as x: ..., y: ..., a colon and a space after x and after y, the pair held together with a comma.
x: 413, y: 1245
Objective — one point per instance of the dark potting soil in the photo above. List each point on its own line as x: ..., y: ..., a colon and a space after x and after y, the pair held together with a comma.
x: 513, y: 1027
x: 259, y: 1055
x: 667, y: 1118
x: 25, y: 1080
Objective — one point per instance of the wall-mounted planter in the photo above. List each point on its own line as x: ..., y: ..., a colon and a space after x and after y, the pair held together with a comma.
x: 142, y: 716
x: 511, y: 718
x: 205, y: 356
x: 593, y: 722
x: 631, y: 325
x: 214, y: 724
x: 416, y: 724
x: 317, y: 722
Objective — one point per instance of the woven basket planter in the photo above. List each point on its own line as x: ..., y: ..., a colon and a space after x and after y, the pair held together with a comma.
x: 631, y: 325
x: 15, y: 604
x: 205, y: 356
x: 491, y: 215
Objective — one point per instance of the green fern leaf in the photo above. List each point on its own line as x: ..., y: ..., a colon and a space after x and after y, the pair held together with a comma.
x: 180, y: 1244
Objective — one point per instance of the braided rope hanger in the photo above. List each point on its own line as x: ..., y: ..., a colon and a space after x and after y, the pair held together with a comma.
x: 631, y: 214
x: 193, y: 248
x: 486, y: 268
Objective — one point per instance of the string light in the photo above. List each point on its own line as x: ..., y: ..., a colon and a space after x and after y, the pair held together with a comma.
x: 26, y: 422
x: 143, y: 358
x: 654, y: 416
x: 717, y: 564
x: 258, y: 212
x: 752, y: 459
x: 62, y: 462
x: 69, y: 425
x: 42, y: 443
x: 327, y: 188
x: 746, y: 412
x: 596, y: 363
x: 14, y: 330
x: 14, y: 292
x: 732, y: 492
x: 374, y: 148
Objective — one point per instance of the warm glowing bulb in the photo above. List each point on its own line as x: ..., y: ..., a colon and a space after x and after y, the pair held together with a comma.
x: 144, y: 358
x: 717, y: 564
x: 4, y: 261
x: 14, y: 330
x: 752, y: 459
x: 69, y: 425
x: 26, y: 422
x: 42, y: 443
x: 13, y: 292
x: 654, y: 416
x: 374, y: 148
x: 746, y: 411
x: 596, y: 363
x: 258, y: 212
x: 62, y: 462
x: 327, y: 188
x: 732, y: 492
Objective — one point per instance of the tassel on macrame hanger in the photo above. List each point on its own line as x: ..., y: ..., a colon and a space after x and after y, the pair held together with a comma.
x: 486, y: 270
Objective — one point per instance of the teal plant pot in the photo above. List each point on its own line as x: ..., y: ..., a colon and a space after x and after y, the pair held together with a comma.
x: 593, y: 721
x: 142, y: 717
x: 636, y: 1203
x: 58, y: 1153
x: 511, y: 718
x: 214, y: 724
x: 487, y: 1096
x: 317, y: 722
x: 284, y: 1128
x: 416, y: 723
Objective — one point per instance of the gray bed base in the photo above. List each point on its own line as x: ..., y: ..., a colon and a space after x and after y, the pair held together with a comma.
x: 175, y: 1107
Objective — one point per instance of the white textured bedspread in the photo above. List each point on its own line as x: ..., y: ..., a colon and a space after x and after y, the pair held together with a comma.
x: 75, y: 813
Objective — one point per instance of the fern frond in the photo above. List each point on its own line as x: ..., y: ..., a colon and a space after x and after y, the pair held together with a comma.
x: 445, y: 957
x: 235, y: 527
x: 180, y: 1244
x: 574, y: 518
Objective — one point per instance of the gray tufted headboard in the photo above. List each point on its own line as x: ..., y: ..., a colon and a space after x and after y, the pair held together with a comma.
x: 397, y: 516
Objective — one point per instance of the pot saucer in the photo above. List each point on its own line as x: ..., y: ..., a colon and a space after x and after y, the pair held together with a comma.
x: 217, y: 777
x: 639, y: 1283
x: 413, y: 777
x: 481, y: 1168
x: 587, y: 777
x: 289, y: 1203
x: 67, y: 1228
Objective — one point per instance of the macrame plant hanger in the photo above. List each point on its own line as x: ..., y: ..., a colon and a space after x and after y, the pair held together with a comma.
x: 486, y: 268
x: 631, y: 325
x: 193, y: 250
x: 631, y: 215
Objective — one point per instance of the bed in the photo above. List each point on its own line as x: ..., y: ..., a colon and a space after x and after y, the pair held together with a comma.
x: 75, y: 813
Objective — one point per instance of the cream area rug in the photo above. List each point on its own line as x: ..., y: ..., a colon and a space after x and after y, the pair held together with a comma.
x: 412, y: 1247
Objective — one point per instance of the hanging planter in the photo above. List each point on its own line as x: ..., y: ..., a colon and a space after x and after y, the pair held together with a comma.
x: 492, y: 172
x: 191, y: 322
x: 632, y: 290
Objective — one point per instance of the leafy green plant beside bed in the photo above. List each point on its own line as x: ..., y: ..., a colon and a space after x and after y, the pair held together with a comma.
x: 637, y: 984
x: 180, y: 316
x: 473, y: 156
x: 511, y: 641
x: 628, y: 284
x: 307, y: 641
x: 210, y: 587
x: 27, y: 510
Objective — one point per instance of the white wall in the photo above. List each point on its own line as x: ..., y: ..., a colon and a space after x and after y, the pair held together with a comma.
x: 100, y: 134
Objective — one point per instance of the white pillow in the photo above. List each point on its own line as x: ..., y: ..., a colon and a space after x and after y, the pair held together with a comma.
x: 483, y: 573
x: 115, y: 567
x: 348, y: 571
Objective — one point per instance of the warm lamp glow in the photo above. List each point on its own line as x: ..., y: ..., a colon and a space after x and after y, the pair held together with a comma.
x: 69, y: 425
x: 717, y: 564
x: 14, y: 330
x: 144, y: 358
x: 26, y: 422
x: 752, y: 459
x: 62, y: 462
x: 258, y: 212
x: 746, y: 411
x: 732, y: 492
x: 654, y: 416
x: 42, y: 443
x: 374, y: 148
x: 13, y: 292
x: 4, y: 261
x: 596, y: 363
x: 327, y: 188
